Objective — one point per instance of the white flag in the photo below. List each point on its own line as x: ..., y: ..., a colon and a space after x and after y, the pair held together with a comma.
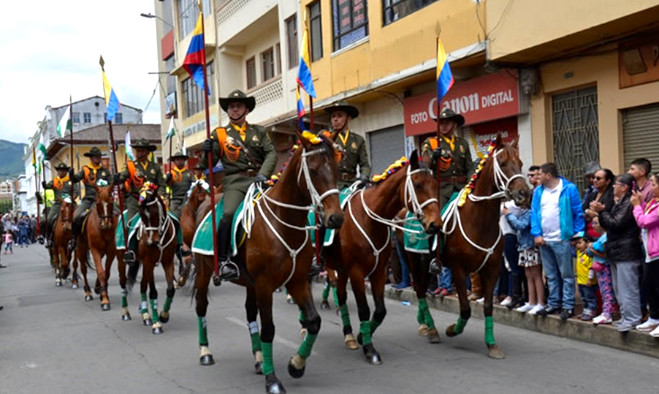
x: 183, y: 148
x: 129, y: 147
x: 171, y: 130
x: 64, y: 123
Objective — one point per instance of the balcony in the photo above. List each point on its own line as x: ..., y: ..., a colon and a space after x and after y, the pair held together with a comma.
x: 235, y: 16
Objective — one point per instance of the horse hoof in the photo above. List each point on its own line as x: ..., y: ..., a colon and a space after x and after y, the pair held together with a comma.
x: 273, y: 385
x: 157, y: 330
x: 449, y: 331
x: 433, y: 336
x: 350, y: 342
x: 58, y: 284
x: 206, y: 360
x: 105, y: 307
x: 89, y: 298
x: 258, y: 368
x: 74, y: 286
x: 423, y: 330
x: 147, y: 322
x: 372, y: 356
x: 126, y: 317
x: 164, y: 317
x: 495, y: 352
x: 293, y: 371
x: 325, y: 305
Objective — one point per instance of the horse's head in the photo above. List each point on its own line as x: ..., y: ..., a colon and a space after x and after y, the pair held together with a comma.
x: 153, y: 213
x: 507, y: 172
x: 420, y: 194
x: 317, y: 174
x: 104, y: 206
x: 199, y: 191
x: 67, y: 206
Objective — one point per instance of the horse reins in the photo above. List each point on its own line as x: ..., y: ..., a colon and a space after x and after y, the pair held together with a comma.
x: 164, y: 225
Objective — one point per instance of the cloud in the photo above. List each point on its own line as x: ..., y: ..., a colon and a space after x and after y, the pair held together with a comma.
x: 52, y: 52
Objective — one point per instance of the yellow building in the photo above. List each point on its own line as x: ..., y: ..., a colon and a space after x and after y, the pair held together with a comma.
x: 591, y: 66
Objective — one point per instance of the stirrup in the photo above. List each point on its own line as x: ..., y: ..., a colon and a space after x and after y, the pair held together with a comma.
x: 40, y: 239
x: 317, y: 268
x: 129, y: 257
x: 434, y: 267
x: 229, y: 270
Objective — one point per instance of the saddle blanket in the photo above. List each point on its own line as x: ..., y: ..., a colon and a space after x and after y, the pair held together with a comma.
x: 133, y: 225
x: 418, y: 242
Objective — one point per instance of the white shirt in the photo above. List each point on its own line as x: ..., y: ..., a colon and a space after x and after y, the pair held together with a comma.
x: 551, y: 213
x: 503, y: 222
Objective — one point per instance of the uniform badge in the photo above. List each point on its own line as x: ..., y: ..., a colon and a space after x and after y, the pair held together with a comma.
x: 153, y: 172
x: 353, y: 145
x: 255, y: 138
x: 462, y: 149
x: 230, y: 141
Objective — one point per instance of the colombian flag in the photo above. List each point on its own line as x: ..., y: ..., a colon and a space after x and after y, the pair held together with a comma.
x: 111, y: 100
x: 304, y: 71
x: 195, y: 59
x: 300, y: 109
x: 444, y: 75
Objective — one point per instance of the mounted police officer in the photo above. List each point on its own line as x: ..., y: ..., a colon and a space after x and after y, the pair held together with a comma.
x: 451, y: 155
x: 137, y: 173
x: 61, y: 186
x: 353, y: 145
x: 89, y: 175
x: 247, y: 155
x: 198, y: 172
x: 179, y: 179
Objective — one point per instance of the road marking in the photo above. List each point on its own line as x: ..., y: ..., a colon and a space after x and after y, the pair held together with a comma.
x: 278, y: 339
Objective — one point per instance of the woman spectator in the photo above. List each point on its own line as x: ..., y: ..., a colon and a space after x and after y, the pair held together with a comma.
x: 511, y: 274
x: 603, y: 180
x: 647, y: 218
x: 623, y: 248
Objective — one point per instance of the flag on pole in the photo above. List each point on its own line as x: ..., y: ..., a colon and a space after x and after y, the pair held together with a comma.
x: 183, y: 148
x: 195, y: 59
x: 39, y: 167
x: 304, y: 71
x: 171, y: 131
x: 64, y: 124
x: 111, y: 100
x: 300, y: 109
x: 42, y: 148
x: 444, y: 75
x: 129, y: 147
x: 34, y: 157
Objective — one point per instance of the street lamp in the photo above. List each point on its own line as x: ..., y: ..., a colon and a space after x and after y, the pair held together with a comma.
x: 151, y: 16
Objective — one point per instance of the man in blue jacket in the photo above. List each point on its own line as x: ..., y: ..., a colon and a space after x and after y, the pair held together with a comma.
x: 556, y: 215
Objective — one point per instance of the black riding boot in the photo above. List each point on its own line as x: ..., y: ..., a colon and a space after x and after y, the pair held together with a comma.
x: 228, y: 269
x: 318, y: 266
x: 75, y: 229
x: 435, y: 266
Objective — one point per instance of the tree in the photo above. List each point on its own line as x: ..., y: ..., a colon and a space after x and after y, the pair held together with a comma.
x: 5, y: 206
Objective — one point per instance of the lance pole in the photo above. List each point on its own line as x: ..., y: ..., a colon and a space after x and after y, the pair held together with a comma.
x: 36, y: 184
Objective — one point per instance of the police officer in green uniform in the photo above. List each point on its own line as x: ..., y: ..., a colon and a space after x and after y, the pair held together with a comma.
x: 451, y: 155
x: 179, y: 179
x: 247, y: 155
x: 61, y: 186
x: 353, y: 145
x: 89, y: 175
x: 135, y: 175
x: 198, y: 172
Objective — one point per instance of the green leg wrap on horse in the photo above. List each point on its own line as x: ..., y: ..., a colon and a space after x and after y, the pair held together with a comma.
x: 489, y: 330
x: 326, y: 290
x: 256, y: 342
x: 124, y: 298
x: 268, y: 367
x: 305, y: 347
x: 203, y: 333
x: 168, y: 304
x: 144, y: 307
x: 154, y: 310
x: 335, y: 294
x: 420, y: 315
x: 301, y: 316
x: 426, y: 317
x: 365, y: 330
x: 345, y: 315
x: 460, y: 325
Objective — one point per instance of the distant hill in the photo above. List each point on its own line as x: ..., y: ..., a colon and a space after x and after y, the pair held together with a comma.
x: 11, y: 164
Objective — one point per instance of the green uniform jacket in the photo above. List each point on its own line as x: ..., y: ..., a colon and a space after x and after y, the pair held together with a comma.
x: 354, y: 154
x: 461, y: 164
x: 90, y: 183
x: 151, y: 173
x: 64, y: 190
x: 180, y: 189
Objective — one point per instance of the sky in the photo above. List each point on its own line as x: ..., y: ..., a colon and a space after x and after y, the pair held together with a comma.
x: 50, y: 51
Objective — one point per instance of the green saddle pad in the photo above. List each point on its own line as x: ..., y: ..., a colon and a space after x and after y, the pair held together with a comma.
x: 329, y: 233
x: 132, y: 227
x: 419, y: 243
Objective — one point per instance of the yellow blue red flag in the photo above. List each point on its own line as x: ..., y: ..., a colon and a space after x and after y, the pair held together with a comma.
x: 444, y: 75
x: 304, y: 71
x: 195, y: 59
x: 111, y: 100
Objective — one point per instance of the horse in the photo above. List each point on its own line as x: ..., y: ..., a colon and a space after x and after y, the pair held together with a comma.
x: 199, y: 193
x: 63, y: 232
x: 156, y: 235
x: 473, y: 235
x: 98, y: 237
x: 363, y: 246
x: 277, y: 252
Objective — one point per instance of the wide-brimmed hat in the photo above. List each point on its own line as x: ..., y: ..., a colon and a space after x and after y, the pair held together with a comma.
x: 179, y: 155
x: 62, y: 166
x: 94, y: 152
x: 344, y: 106
x: 143, y: 144
x: 449, y: 114
x: 237, y: 96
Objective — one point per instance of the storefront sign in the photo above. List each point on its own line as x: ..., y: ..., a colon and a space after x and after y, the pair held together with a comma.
x: 482, y: 99
x: 638, y: 64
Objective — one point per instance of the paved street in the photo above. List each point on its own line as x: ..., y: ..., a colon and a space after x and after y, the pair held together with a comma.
x: 51, y: 341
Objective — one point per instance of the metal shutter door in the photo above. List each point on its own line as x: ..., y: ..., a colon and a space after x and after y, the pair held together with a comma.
x: 386, y: 146
x: 641, y: 134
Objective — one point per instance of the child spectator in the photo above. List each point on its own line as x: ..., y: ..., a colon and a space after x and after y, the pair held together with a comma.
x: 585, y: 277
x: 9, y: 239
x: 604, y: 280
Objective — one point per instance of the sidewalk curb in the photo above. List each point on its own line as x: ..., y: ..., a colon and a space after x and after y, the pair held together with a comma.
x: 604, y: 335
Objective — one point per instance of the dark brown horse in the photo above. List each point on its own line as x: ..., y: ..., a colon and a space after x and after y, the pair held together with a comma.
x: 364, y: 245
x: 199, y: 193
x: 473, y: 236
x: 277, y: 252
x: 156, y: 235
x: 98, y: 238
x: 62, y: 234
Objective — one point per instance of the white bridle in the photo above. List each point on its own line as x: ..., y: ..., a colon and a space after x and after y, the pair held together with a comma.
x: 164, y: 224
x: 451, y: 216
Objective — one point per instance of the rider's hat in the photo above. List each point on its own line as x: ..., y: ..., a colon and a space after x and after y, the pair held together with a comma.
x: 344, y: 106
x: 238, y: 96
x: 62, y: 166
x: 449, y: 114
x: 94, y: 152
x: 179, y: 155
x: 143, y: 144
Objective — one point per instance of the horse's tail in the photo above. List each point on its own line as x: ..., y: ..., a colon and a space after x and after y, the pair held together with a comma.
x: 131, y: 276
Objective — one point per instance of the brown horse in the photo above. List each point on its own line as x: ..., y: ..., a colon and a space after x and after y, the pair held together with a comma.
x: 473, y: 236
x: 98, y: 237
x: 277, y: 252
x: 199, y: 193
x: 363, y: 246
x: 62, y: 234
x: 156, y: 235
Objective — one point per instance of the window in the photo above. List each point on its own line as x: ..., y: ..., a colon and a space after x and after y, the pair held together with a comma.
x: 350, y: 22
x: 170, y: 64
x: 76, y: 117
x: 278, y: 58
x: 250, y: 66
x: 118, y: 118
x: 267, y: 64
x: 188, y: 12
x: 393, y: 10
x: 316, y: 31
x: 87, y: 117
x: 291, y: 41
x: 193, y: 94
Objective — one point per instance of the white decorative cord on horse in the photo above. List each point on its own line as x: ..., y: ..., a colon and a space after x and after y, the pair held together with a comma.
x: 164, y: 224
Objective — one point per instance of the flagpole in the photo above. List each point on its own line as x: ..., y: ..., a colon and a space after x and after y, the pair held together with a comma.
x: 209, y: 154
x: 438, y: 253
x: 71, y: 150
x: 169, y: 195
x: 36, y: 184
